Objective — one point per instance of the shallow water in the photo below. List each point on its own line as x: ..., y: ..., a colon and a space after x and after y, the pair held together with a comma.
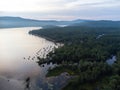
x: 18, y: 52
x: 111, y: 60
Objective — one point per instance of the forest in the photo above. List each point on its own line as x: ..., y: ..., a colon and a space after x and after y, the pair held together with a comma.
x: 84, y: 56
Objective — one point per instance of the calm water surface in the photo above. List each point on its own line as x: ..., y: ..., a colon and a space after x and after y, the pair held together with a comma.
x: 18, y: 52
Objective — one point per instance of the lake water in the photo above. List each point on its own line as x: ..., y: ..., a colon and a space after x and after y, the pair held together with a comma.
x: 18, y: 56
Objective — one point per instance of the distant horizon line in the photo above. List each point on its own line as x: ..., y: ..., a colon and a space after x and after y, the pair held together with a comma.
x: 58, y: 20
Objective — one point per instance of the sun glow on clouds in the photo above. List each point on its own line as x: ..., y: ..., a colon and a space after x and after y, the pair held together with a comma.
x: 54, y: 9
x: 19, y: 5
x: 43, y: 5
x: 30, y: 5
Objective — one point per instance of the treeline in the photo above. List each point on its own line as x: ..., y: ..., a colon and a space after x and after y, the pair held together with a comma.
x: 74, y: 34
x: 85, y: 52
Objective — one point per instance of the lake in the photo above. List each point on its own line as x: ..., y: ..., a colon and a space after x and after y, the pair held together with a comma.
x: 18, y: 56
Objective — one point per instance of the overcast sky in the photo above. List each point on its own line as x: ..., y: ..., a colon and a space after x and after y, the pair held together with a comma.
x: 61, y: 9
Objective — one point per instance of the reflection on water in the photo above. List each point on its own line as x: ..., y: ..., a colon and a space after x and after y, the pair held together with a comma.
x: 111, y: 60
x: 16, y: 46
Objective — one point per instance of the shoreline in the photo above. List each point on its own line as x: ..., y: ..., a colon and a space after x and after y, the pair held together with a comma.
x: 42, y: 60
x: 44, y: 37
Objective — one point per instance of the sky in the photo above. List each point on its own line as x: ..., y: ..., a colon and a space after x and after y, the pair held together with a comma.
x: 62, y: 9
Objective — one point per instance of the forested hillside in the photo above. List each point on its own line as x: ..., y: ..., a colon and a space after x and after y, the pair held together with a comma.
x: 84, y: 55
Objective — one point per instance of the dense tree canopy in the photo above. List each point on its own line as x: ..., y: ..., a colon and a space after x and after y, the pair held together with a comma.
x: 85, y: 52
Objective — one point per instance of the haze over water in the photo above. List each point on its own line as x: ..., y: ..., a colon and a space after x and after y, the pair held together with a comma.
x: 16, y: 45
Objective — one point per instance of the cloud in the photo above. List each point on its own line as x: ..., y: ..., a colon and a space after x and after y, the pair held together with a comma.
x: 61, y: 9
x: 93, y: 3
x: 32, y: 5
x: 52, y: 5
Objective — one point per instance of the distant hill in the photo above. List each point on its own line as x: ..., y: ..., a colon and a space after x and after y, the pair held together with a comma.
x: 100, y: 23
x: 9, y: 22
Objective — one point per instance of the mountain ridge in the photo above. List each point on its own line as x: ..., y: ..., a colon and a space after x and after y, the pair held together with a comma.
x: 11, y: 22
